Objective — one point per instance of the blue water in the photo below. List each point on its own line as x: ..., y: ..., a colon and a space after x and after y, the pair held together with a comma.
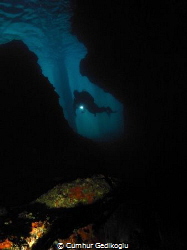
x: 44, y: 27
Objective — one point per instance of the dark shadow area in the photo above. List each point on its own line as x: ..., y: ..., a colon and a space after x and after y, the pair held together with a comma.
x: 38, y: 148
x: 136, y: 52
x: 33, y: 131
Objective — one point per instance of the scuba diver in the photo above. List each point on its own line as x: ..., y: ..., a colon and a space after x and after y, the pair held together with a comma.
x: 83, y: 100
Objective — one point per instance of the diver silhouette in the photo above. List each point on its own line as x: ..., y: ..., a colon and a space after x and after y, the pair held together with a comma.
x: 83, y: 100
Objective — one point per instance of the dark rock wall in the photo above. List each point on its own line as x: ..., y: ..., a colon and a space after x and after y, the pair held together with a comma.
x: 32, y: 123
x: 36, y: 143
x: 136, y: 51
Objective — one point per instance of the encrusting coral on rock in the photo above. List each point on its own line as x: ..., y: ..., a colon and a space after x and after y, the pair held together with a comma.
x: 81, y: 191
x: 65, y: 205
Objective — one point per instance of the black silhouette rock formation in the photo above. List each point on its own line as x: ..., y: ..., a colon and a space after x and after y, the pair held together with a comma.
x: 37, y: 143
x: 33, y: 129
x: 136, y: 51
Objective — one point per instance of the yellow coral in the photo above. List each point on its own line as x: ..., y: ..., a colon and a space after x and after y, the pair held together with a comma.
x: 38, y: 230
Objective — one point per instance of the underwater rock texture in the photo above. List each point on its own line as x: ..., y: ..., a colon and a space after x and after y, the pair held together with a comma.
x: 44, y: 221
